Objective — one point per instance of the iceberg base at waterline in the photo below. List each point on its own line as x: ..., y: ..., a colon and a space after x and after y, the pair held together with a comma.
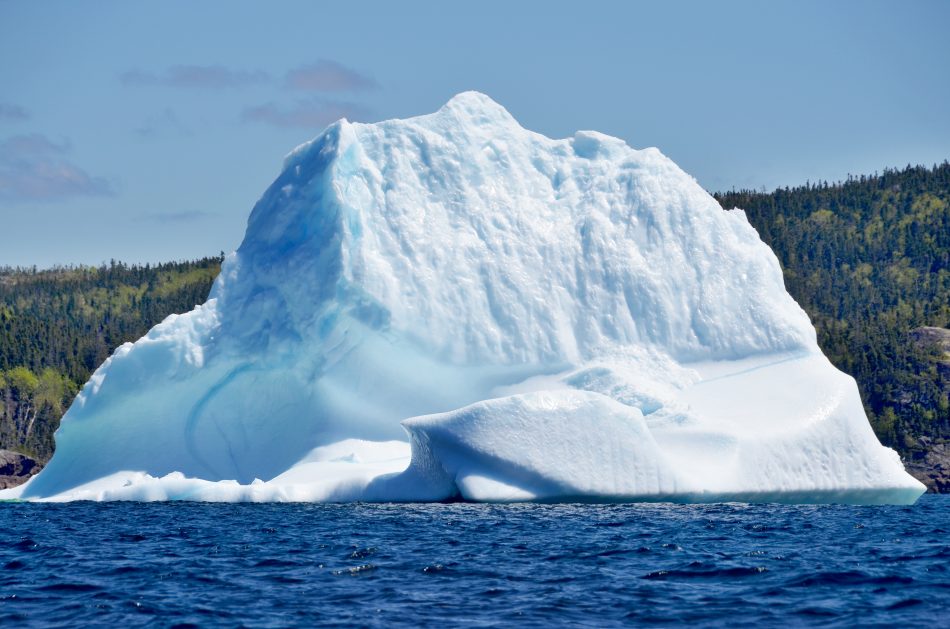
x: 454, y: 307
x: 561, y: 444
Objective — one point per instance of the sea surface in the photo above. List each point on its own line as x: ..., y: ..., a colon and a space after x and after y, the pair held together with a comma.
x: 277, y: 565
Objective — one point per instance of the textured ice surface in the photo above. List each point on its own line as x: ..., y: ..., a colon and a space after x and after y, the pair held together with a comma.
x: 530, y: 318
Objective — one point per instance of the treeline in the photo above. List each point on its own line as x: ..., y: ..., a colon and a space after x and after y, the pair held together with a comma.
x: 58, y: 325
x: 869, y: 260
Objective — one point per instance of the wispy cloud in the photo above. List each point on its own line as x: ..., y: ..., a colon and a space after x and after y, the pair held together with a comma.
x: 34, y: 168
x: 193, y: 76
x: 186, y: 216
x: 324, y: 75
x: 313, y: 114
x: 164, y: 123
x: 327, y: 76
x: 9, y: 111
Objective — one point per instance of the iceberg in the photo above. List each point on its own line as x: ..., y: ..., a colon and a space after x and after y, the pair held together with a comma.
x: 454, y: 307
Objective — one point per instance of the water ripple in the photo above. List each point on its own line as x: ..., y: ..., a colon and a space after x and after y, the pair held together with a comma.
x: 200, y: 565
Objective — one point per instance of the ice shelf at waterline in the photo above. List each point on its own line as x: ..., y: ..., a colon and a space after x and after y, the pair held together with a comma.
x: 454, y: 306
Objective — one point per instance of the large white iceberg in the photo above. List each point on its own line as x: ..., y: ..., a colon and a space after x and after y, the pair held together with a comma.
x: 451, y: 306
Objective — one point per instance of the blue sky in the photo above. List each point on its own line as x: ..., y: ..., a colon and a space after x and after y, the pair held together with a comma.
x: 146, y: 131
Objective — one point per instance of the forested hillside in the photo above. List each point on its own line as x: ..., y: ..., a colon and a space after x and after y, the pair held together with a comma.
x: 58, y: 325
x: 869, y: 260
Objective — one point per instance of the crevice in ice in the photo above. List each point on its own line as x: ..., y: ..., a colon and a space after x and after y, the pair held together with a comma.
x: 194, y: 417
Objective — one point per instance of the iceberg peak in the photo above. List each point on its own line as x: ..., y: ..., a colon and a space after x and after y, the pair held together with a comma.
x: 476, y: 107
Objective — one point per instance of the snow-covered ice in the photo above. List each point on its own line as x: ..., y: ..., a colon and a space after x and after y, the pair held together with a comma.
x: 453, y: 306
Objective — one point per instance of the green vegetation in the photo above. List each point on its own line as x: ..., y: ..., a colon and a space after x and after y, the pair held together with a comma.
x: 869, y: 260
x: 58, y: 325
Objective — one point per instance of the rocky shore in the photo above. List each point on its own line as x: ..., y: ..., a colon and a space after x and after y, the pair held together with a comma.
x: 16, y: 468
x: 933, y: 468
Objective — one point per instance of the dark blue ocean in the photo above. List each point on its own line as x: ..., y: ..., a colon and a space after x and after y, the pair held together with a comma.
x: 273, y: 565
